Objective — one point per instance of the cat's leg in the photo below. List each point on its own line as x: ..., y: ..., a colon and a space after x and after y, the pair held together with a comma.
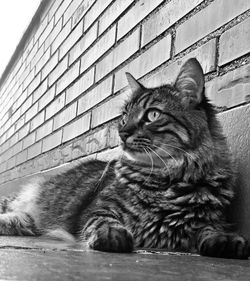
x: 13, y: 223
x: 217, y: 243
x: 106, y: 233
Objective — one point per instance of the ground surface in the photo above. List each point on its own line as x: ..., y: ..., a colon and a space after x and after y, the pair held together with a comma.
x: 30, y: 259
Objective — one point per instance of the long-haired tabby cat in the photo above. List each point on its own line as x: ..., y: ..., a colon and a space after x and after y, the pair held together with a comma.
x: 169, y: 190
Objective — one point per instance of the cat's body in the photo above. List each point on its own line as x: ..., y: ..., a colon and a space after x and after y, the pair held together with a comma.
x: 169, y: 190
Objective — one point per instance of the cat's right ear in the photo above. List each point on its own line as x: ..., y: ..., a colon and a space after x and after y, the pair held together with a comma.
x: 134, y: 85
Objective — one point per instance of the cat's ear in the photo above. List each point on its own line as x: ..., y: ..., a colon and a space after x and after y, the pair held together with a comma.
x: 190, y: 83
x: 134, y: 85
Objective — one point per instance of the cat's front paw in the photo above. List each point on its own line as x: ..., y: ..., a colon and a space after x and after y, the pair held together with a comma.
x: 225, y: 245
x: 111, y: 238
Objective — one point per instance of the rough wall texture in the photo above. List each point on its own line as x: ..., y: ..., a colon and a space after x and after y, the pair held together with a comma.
x: 60, y: 99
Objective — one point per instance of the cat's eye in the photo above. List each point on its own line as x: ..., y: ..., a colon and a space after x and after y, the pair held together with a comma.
x: 153, y: 115
x: 124, y: 119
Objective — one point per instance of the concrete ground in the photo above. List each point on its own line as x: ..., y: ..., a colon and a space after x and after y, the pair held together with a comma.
x: 26, y: 259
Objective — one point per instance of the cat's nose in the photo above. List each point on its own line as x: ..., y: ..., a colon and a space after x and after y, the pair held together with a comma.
x: 124, y: 135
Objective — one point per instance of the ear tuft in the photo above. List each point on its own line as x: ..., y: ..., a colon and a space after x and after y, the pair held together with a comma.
x: 190, y: 82
x: 134, y: 84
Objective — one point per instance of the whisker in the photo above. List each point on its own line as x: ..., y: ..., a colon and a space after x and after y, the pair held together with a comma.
x: 152, y: 163
x: 150, y: 148
x: 166, y: 152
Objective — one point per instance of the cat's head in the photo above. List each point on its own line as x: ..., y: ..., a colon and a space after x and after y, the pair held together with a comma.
x: 166, y: 122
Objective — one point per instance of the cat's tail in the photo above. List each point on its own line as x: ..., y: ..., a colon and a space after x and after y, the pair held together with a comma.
x: 61, y: 235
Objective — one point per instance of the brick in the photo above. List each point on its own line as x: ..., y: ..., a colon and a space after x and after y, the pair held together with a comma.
x: 88, y: 38
x: 31, y: 112
x: 54, y: 8
x: 139, y: 11
x: 15, y: 116
x: 212, y: 17
x: 68, y: 77
x: 45, y: 33
x: 52, y: 141
x: 34, y: 150
x: 29, y: 140
x: 58, y: 71
x: 80, y: 85
x: 30, y: 56
x: 97, y: 50
x: 113, y: 13
x: 21, y: 157
x: 19, y: 123
x: 39, y: 65
x: 37, y: 121
x: 11, y: 163
x: 61, y: 10
x: 81, y: 11
x: 37, y: 57
x: 40, y: 90
x: 65, y: 116
x: 118, y: 55
x: 34, y: 84
x: 102, y: 113
x: 76, y: 128
x: 41, y: 28
x: 44, y: 130
x: 235, y: 42
x: 231, y: 89
x: 53, y: 35
x: 206, y: 55
x: 71, y: 40
x: 165, y: 17
x: 55, y: 106
x: 26, y: 105
x: 23, y: 131
x: 29, y: 79
x: 27, y: 49
x: 46, y: 98
x: 95, y: 96
x: 95, y: 11
x: 61, y: 37
x: 50, y: 65
x: 70, y: 10
x: 153, y: 57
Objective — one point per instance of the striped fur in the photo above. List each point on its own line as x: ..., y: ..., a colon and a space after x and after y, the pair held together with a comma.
x: 170, y: 188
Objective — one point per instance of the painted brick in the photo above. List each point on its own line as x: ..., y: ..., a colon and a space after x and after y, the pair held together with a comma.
x: 50, y: 65
x: 206, y: 55
x: 41, y: 28
x: 58, y: 71
x: 55, y: 106
x: 153, y: 57
x: 95, y: 11
x: 30, y: 56
x: 61, y: 37
x: 165, y: 17
x: 71, y: 40
x: 39, y: 65
x: 70, y: 10
x: 19, y: 123
x: 231, y: 89
x: 44, y: 130
x: 31, y: 112
x: 54, y: 8
x: 37, y: 57
x: 81, y: 11
x: 88, y: 38
x: 46, y: 98
x: 37, y: 121
x: 21, y: 157
x: 34, y: 84
x: 76, y: 128
x: 40, y: 90
x: 118, y: 55
x: 34, y: 150
x: 95, y: 96
x: 68, y: 78
x: 212, y: 17
x: 45, y: 33
x: 26, y: 105
x: 11, y: 163
x: 29, y: 140
x: 61, y: 10
x: 28, y: 79
x: 102, y: 113
x: 113, y: 13
x: 53, y: 34
x: 100, y: 47
x: 52, y: 141
x: 23, y: 131
x: 80, y: 85
x: 65, y: 116
x: 141, y: 9
x: 235, y: 42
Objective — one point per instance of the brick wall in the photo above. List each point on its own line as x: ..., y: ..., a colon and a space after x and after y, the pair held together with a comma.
x: 60, y: 95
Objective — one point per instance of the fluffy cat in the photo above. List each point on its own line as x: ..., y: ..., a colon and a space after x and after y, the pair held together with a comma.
x: 170, y: 188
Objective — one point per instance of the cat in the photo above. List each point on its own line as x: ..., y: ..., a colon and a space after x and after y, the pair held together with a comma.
x: 169, y: 189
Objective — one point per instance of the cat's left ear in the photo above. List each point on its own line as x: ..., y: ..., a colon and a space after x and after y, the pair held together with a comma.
x: 135, y: 86
x: 190, y: 83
